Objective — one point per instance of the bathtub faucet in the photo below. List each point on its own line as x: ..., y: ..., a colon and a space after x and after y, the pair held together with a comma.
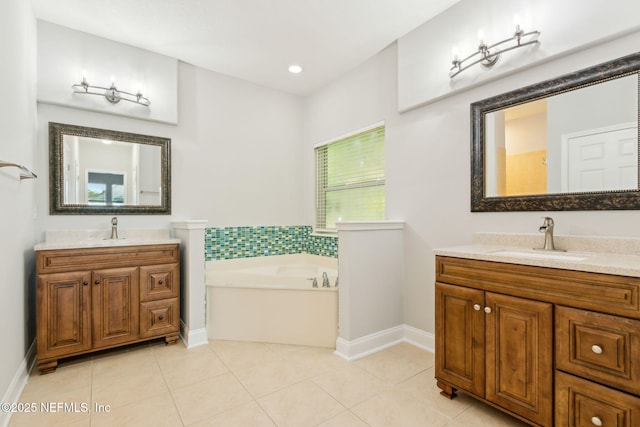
x: 325, y: 280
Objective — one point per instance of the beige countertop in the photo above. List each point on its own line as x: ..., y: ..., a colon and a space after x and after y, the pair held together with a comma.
x: 84, y: 239
x: 620, y: 256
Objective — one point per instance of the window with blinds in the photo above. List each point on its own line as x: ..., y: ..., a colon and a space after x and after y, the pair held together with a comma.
x: 350, y: 179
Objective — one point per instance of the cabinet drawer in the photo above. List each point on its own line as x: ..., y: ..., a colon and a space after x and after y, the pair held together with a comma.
x: 159, y: 317
x: 598, y: 346
x: 581, y: 403
x: 59, y: 260
x: 605, y: 293
x: 159, y: 282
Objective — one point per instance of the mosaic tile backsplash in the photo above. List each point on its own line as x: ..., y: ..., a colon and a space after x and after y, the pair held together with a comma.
x: 246, y: 242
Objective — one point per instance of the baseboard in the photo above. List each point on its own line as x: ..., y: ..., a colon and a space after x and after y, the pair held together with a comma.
x: 419, y: 338
x: 18, y: 382
x: 194, y: 338
x: 372, y: 343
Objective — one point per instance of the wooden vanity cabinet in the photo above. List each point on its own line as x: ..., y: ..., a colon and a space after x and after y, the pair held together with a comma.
x: 549, y: 346
x: 496, y: 347
x: 97, y: 298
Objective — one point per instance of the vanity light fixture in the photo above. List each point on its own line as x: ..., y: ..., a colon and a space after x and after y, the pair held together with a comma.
x: 111, y: 93
x: 487, y: 55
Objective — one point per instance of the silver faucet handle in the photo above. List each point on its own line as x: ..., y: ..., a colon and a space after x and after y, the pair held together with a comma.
x: 314, y: 284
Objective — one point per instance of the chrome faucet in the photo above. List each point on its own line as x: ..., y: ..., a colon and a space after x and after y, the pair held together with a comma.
x: 114, y: 228
x: 314, y: 282
x: 325, y: 280
x: 547, y: 229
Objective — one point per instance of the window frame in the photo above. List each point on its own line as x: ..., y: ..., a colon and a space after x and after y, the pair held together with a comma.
x: 320, y: 202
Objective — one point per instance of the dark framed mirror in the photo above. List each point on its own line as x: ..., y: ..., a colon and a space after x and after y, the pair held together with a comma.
x: 98, y: 171
x: 570, y: 143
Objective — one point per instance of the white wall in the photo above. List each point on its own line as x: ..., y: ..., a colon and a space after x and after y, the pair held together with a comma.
x: 235, y: 155
x: 64, y: 55
x: 17, y: 144
x: 424, y: 55
x: 428, y: 164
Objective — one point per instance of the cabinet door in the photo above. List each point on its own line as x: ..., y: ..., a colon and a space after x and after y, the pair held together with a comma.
x: 115, y: 306
x: 63, y: 314
x: 460, y: 337
x: 519, y: 351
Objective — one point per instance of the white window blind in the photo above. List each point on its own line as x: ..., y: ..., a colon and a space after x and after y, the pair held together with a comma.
x: 350, y: 179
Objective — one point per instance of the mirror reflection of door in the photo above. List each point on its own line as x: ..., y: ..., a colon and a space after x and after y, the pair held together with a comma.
x: 603, y: 159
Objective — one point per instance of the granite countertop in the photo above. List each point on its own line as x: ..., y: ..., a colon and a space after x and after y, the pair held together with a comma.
x: 82, y: 239
x: 620, y: 256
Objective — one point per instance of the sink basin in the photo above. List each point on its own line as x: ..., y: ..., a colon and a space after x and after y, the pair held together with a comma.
x: 560, y: 256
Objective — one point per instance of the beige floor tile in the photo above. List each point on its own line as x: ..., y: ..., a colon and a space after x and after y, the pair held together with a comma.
x: 398, y: 409
x: 157, y: 410
x: 302, y: 404
x: 238, y: 355
x: 317, y: 360
x: 415, y: 354
x: 54, y: 408
x: 125, y: 385
x: 265, y: 377
x: 210, y: 397
x: 391, y: 365
x: 423, y: 386
x: 124, y: 363
x: 346, y: 419
x: 249, y: 415
x: 189, y: 370
x: 350, y: 386
x: 66, y: 378
x: 483, y: 415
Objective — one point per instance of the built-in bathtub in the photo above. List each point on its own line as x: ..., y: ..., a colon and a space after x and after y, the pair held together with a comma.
x: 271, y: 299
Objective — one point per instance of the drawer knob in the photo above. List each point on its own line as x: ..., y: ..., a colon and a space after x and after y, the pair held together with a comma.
x: 160, y: 317
x: 160, y: 282
x: 597, y: 350
x: 85, y: 283
x: 596, y: 421
x: 487, y: 310
x: 476, y: 307
x: 97, y: 282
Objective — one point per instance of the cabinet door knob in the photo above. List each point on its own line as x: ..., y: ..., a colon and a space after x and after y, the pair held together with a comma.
x: 161, y: 317
x: 85, y: 283
x: 97, y: 282
x: 487, y: 310
x: 596, y: 421
x: 160, y: 282
x: 476, y: 307
x: 597, y: 350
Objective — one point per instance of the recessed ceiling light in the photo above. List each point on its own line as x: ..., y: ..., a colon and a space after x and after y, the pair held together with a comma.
x: 295, y: 69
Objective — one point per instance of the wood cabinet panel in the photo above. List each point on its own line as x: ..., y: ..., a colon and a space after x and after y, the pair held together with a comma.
x: 62, y: 313
x: 592, y: 291
x: 115, y: 306
x: 519, y: 368
x: 55, y: 261
x: 158, y: 317
x: 460, y: 338
x: 600, y: 346
x: 159, y: 282
x: 582, y: 403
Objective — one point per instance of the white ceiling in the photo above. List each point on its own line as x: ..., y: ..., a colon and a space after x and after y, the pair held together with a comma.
x: 255, y: 40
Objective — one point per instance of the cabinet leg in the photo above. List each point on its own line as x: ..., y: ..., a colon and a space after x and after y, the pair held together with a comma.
x: 47, y: 367
x: 447, y: 391
x: 171, y: 339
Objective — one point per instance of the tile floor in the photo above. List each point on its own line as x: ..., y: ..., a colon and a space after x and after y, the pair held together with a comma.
x: 229, y: 383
